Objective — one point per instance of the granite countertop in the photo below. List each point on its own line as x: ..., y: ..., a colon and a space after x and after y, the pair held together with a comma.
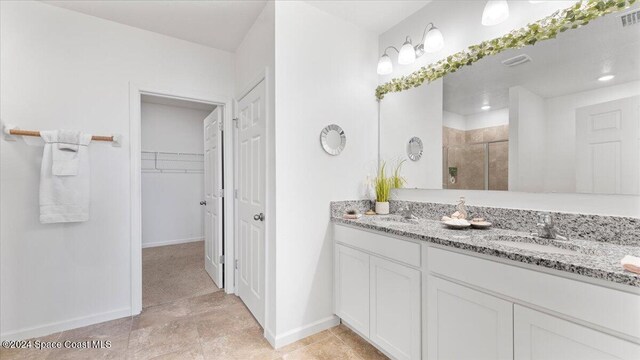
x: 600, y: 260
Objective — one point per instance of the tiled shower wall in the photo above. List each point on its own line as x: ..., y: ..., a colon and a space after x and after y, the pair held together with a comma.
x: 466, y: 151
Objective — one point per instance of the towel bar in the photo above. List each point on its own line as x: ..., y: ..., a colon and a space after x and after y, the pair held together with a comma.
x: 10, y: 130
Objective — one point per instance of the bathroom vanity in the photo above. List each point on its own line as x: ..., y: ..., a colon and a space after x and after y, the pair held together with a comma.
x: 419, y: 291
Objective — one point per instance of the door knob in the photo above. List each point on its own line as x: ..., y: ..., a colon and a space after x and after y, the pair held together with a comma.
x: 258, y: 217
x: 203, y: 202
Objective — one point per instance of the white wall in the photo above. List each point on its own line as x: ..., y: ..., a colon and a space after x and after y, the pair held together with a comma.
x: 61, y: 69
x: 487, y: 119
x: 171, y: 212
x: 403, y: 115
x: 172, y: 128
x: 254, y: 57
x: 561, y: 131
x: 527, y: 140
x: 325, y: 74
x: 454, y: 120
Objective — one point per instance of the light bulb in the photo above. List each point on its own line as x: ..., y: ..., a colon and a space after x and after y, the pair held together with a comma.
x: 384, y: 65
x: 485, y: 107
x: 407, y: 53
x: 495, y: 12
x: 606, y: 77
x: 433, y: 41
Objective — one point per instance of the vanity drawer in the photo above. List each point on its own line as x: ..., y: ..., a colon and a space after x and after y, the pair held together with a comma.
x: 403, y: 251
x: 598, y: 305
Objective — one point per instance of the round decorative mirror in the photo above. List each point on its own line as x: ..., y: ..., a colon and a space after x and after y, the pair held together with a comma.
x: 333, y: 139
x: 414, y: 148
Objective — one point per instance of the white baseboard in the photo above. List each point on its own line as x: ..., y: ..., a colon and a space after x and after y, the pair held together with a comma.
x: 271, y: 338
x: 55, y: 327
x: 303, y: 331
x: 172, y: 242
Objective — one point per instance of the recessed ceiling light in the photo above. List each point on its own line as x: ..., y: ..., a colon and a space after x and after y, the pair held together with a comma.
x: 485, y: 107
x: 606, y: 77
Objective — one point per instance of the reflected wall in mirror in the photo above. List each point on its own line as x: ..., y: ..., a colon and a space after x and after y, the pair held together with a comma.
x: 562, y: 115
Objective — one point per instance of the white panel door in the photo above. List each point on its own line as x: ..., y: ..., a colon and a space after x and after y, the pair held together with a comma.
x: 213, y: 196
x: 251, y: 200
x: 538, y: 336
x: 395, y: 319
x: 466, y: 324
x: 352, y: 288
x: 608, y: 147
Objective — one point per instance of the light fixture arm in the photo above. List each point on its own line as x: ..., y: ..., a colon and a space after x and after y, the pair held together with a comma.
x: 391, y: 47
x: 424, y: 33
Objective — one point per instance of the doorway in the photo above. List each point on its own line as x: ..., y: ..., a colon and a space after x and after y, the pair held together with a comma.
x: 180, y: 256
x: 189, y: 154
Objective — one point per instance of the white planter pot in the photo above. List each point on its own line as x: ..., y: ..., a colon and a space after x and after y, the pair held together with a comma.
x: 382, y: 208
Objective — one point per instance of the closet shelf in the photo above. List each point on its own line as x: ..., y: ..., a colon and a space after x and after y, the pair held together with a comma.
x: 172, y: 162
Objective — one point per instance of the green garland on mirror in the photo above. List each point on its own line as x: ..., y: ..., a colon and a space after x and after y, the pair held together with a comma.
x: 548, y: 28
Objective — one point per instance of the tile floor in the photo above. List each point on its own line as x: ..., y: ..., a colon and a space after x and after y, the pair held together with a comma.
x: 210, y: 326
x: 174, y: 272
x: 186, y: 317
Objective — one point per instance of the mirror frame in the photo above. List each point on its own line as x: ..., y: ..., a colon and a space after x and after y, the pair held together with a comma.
x: 412, y: 156
x: 325, y: 145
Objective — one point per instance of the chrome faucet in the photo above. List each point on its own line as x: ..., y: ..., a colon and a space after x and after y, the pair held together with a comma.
x: 546, y: 227
x: 407, y: 213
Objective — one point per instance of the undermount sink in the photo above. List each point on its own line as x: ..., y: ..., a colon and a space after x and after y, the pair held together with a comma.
x: 549, y: 246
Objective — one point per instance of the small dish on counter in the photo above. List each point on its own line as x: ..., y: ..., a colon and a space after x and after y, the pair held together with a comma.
x: 480, y: 223
x: 457, y: 224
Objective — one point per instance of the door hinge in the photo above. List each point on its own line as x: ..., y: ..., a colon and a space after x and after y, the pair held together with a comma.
x: 221, y: 260
x: 221, y: 193
x: 235, y: 122
x: 235, y: 193
x: 220, y: 125
x: 236, y: 264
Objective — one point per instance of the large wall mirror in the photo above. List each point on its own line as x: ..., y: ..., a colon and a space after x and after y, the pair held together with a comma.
x: 562, y: 115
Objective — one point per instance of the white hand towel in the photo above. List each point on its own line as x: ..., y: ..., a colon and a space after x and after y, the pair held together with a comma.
x: 68, y: 140
x: 65, y: 153
x: 64, y: 198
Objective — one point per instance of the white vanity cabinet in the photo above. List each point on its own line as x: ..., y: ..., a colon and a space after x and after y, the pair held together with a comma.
x: 414, y: 299
x: 377, y: 290
x: 539, y: 336
x: 395, y: 308
x: 352, y: 287
x: 467, y: 324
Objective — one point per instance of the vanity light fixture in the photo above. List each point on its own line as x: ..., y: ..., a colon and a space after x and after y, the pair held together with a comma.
x: 385, y: 66
x: 606, y: 77
x: 407, y: 54
x: 495, y: 12
x: 432, y: 41
x: 485, y: 107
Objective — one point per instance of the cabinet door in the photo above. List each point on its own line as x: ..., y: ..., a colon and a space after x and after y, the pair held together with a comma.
x: 395, y: 308
x: 545, y: 337
x: 352, y: 287
x: 466, y: 324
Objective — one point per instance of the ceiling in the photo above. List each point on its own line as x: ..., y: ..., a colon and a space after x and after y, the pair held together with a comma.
x: 568, y: 64
x: 376, y: 16
x: 221, y: 24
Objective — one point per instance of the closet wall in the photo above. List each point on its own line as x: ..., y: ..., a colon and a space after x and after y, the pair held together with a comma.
x: 171, y: 135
